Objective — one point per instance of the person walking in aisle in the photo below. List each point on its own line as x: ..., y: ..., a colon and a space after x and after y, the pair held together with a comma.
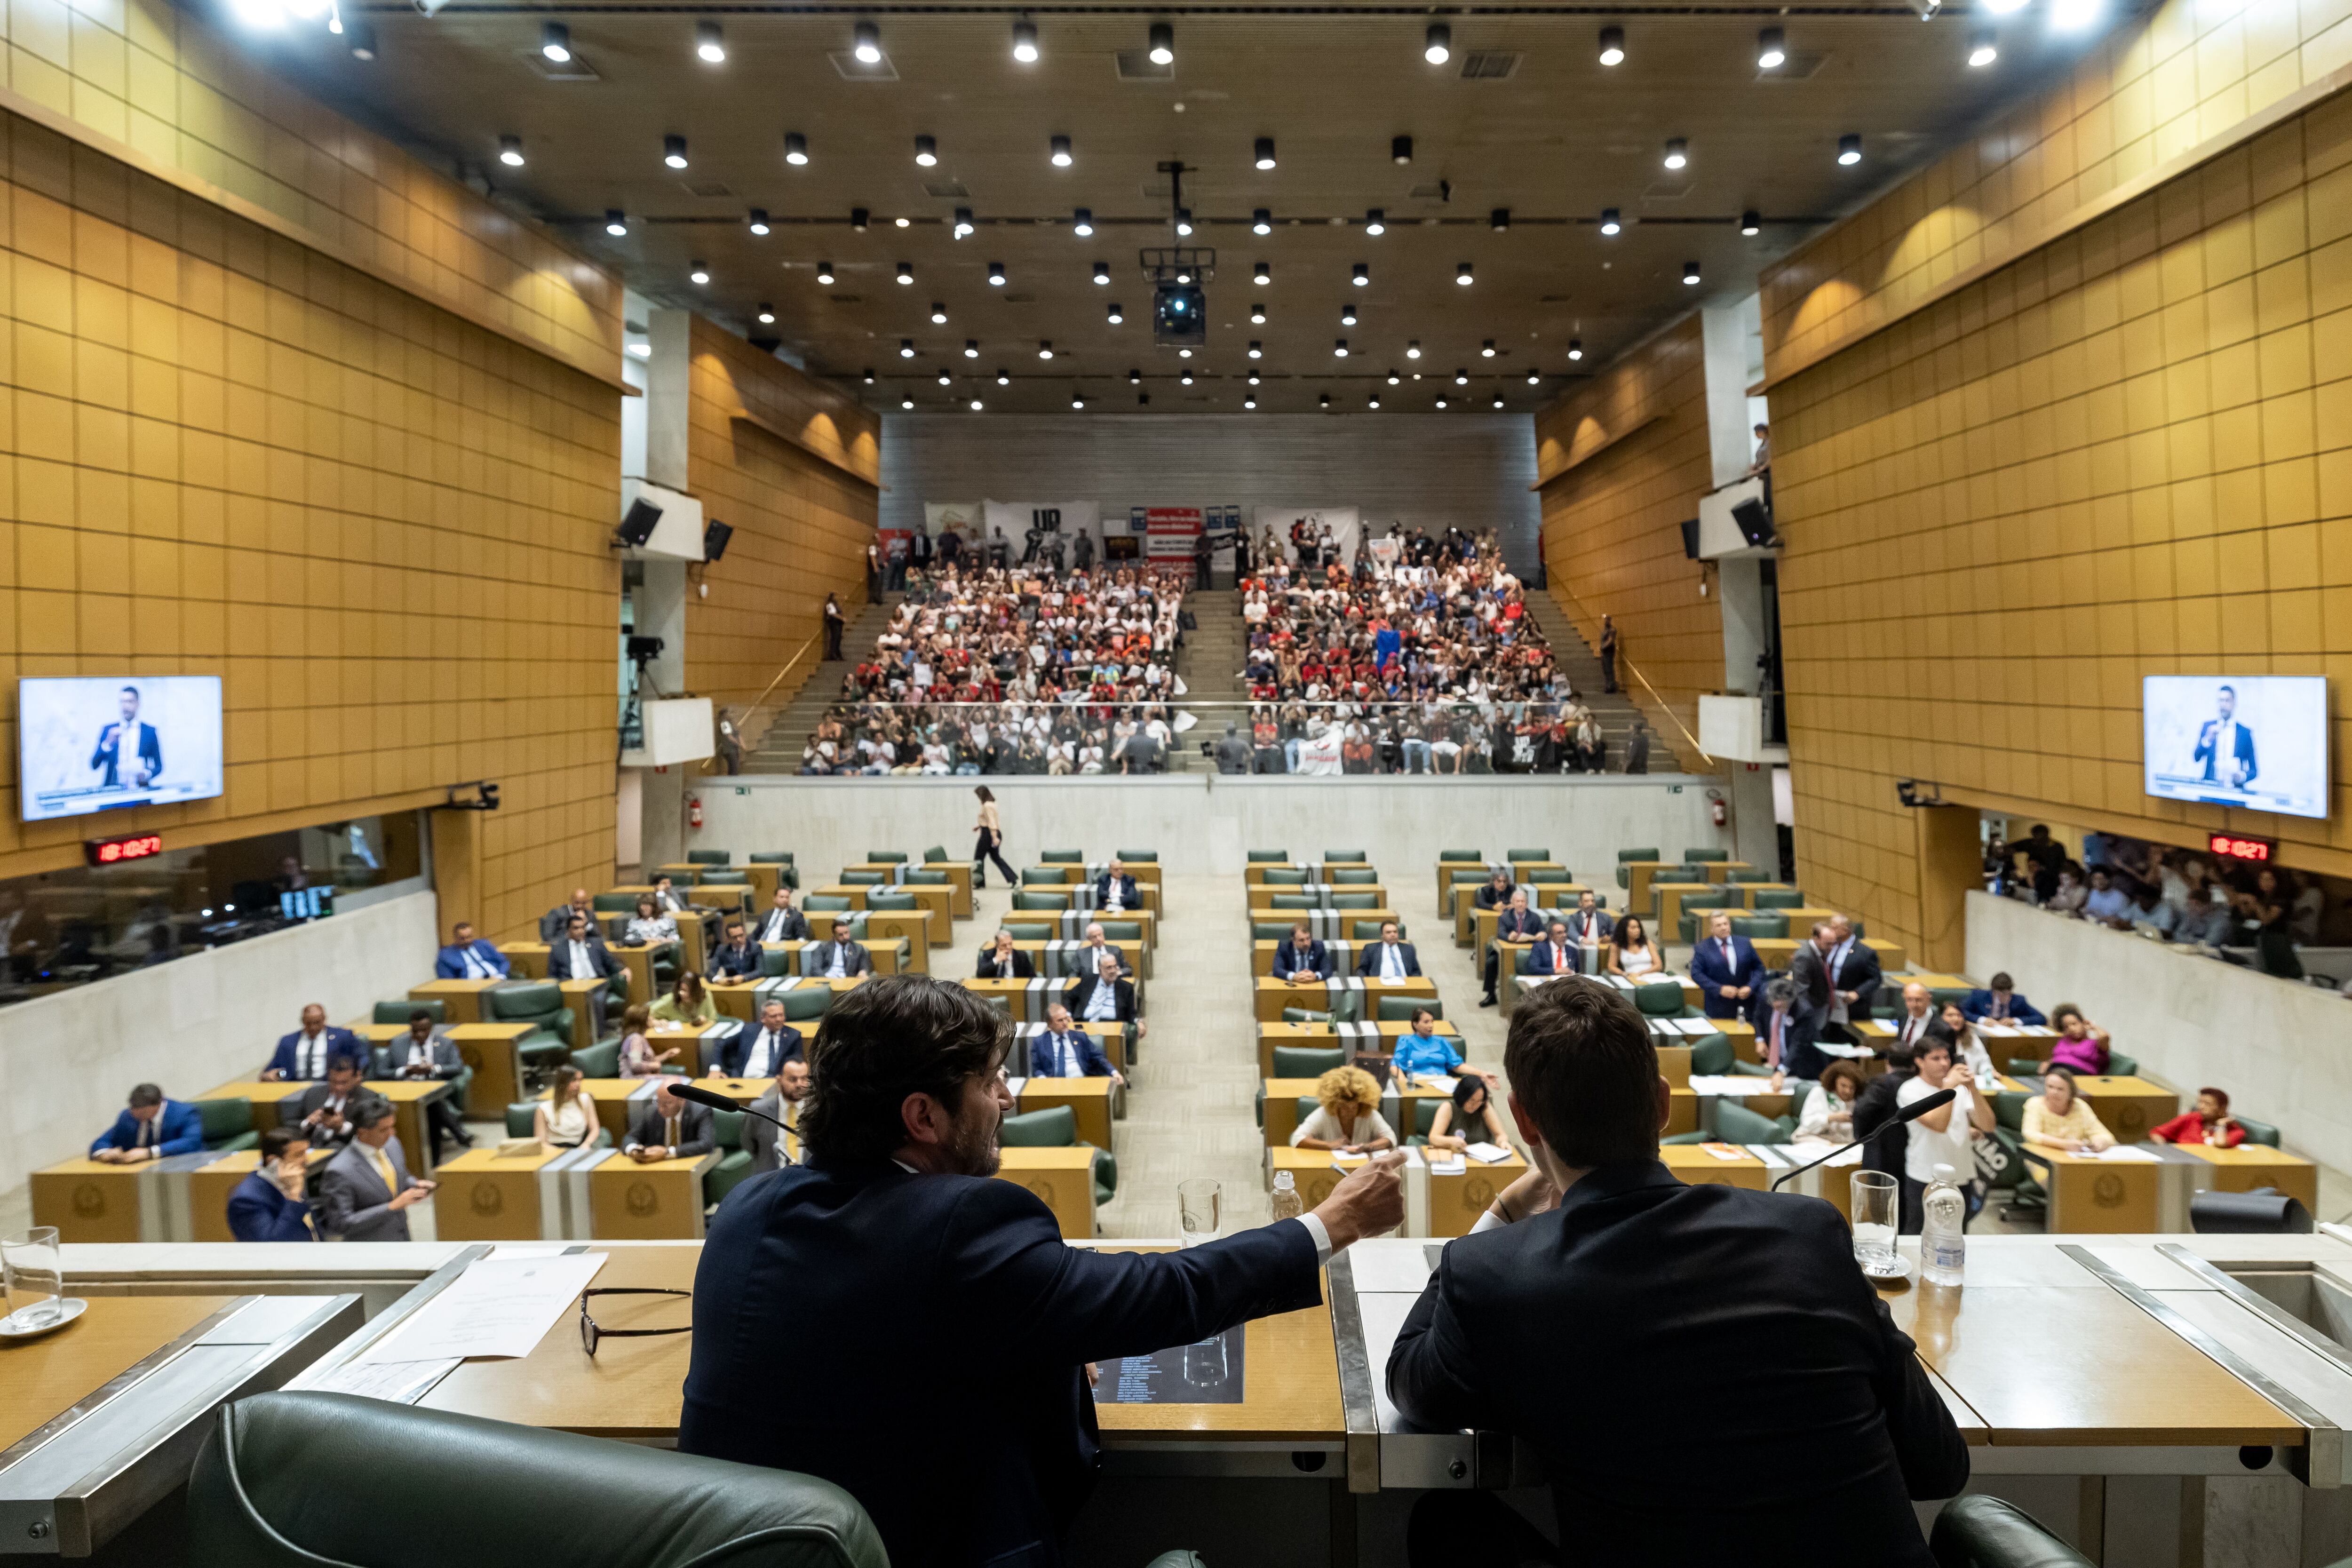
x: 834, y: 623
x: 991, y: 842
x: 1607, y: 654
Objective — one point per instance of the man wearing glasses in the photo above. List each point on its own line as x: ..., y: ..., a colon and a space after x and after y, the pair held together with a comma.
x: 937, y: 1289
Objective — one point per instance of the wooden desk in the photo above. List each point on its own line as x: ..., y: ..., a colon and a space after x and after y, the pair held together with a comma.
x: 1274, y: 996
x: 1283, y: 1095
x: 579, y: 995
x: 1262, y: 894
x: 659, y: 1202
x: 493, y: 1050
x: 1311, y: 1172
x: 1667, y: 927
x: 615, y: 1102
x: 525, y: 960
x: 1076, y: 896
x: 2091, y: 1194
x: 741, y: 999
x: 1696, y: 1167
x: 486, y: 1196
x: 42, y: 1379
x: 937, y: 905
x: 958, y: 885
x: 2128, y: 1106
x: 1063, y: 1180
x: 90, y: 1200
x: 1088, y: 1097
x: 461, y: 1000
x: 1326, y: 1037
x: 1721, y: 870
x: 1290, y: 1387
x: 2251, y: 1165
x: 1457, y: 1199
x: 210, y: 1187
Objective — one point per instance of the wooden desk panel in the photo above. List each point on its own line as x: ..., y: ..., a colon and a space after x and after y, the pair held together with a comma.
x: 959, y: 882
x: 1290, y: 1388
x: 741, y: 1000
x: 1696, y: 1167
x: 937, y: 905
x: 1274, y: 996
x: 2251, y: 1165
x: 1262, y: 894
x: 42, y: 1379
x: 1063, y: 1180
x: 495, y: 1053
x: 461, y: 1000
x: 486, y: 1196
x: 659, y: 1202
x: 2094, y: 1196
x: 1088, y: 1097
x: 1457, y: 1200
x: 1667, y: 927
x: 87, y: 1200
x: 525, y: 960
x: 2127, y: 1106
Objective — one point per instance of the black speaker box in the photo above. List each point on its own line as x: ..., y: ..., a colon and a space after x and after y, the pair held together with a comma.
x: 638, y: 526
x: 715, y: 535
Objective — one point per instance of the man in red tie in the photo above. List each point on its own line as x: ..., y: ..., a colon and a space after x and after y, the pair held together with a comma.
x: 1725, y: 969
x: 1917, y: 1014
x: 1555, y: 954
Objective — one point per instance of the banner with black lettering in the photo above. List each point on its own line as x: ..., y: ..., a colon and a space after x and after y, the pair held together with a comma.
x: 1065, y: 534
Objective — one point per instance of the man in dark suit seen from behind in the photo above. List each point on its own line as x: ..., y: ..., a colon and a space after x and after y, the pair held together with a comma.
x: 270, y: 1203
x: 1601, y: 1247
x: 901, y: 1141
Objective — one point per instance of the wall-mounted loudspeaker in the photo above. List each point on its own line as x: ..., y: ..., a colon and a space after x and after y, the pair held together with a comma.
x: 715, y: 535
x: 1754, y: 520
x: 1690, y: 538
x: 638, y: 526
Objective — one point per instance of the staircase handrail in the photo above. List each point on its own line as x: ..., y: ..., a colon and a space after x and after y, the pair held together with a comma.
x: 1628, y: 666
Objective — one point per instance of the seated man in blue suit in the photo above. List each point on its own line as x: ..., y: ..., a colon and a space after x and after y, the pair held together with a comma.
x: 1302, y: 959
x: 1065, y: 1051
x: 900, y: 1140
x: 1999, y: 1003
x: 153, y: 1128
x: 760, y: 1048
x: 1725, y: 969
x: 303, y: 1054
x: 1556, y: 954
x: 1115, y: 890
x: 468, y: 957
x: 1388, y: 959
x: 269, y: 1204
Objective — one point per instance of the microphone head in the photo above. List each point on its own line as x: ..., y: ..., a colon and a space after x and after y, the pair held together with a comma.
x: 1925, y: 1104
x: 715, y: 1101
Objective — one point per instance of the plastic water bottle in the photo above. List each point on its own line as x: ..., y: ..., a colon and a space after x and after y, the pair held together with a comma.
x: 1943, y: 1239
x: 1287, y: 1204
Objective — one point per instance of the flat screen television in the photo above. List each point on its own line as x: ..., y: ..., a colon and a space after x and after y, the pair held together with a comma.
x: 97, y: 742
x: 2259, y: 742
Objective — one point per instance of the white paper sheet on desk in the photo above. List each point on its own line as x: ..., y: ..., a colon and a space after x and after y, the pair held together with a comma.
x: 2125, y: 1155
x: 1486, y: 1154
x: 398, y: 1382
x: 1453, y: 1167
x: 1734, y: 1085
x: 497, y: 1308
x: 1436, y: 1080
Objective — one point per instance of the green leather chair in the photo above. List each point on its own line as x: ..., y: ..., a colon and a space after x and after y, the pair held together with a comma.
x: 1370, y: 931
x: 1304, y: 1016
x: 926, y: 879
x: 1400, y: 1009
x: 1425, y: 1116
x: 1064, y: 856
x: 1284, y: 877
x: 1057, y: 1128
x: 1345, y: 857
x: 1041, y: 876
x: 1038, y: 901
x: 1939, y: 995
x: 1979, y: 1532
x: 1028, y: 930
x: 886, y: 857
x: 1266, y: 856
x: 1118, y: 931
x: 396, y: 1010
x: 1295, y: 902
x: 936, y: 855
x: 227, y: 1125
x: 602, y: 1059
x: 803, y: 1002
x: 1515, y: 855
x: 1705, y: 856
x: 1355, y: 901
x: 1307, y: 1061
x: 1267, y: 931
x: 722, y: 877
x: 1541, y: 875
x: 770, y: 857
x: 1754, y: 926
x: 863, y: 878
x: 815, y: 901
x: 734, y: 1167
x: 539, y: 1004
x: 779, y: 961
x: 1735, y: 1123
x: 2009, y: 1107
x: 787, y: 874
x: 1781, y: 898
x: 2262, y: 1132
x: 1663, y: 999
x: 1733, y: 878
x: 1140, y: 857
x: 898, y: 903
x: 1624, y: 877
x: 1712, y: 1056
x: 269, y: 1490
x: 1476, y: 856
x: 623, y: 904
x: 708, y: 857
x: 1355, y: 877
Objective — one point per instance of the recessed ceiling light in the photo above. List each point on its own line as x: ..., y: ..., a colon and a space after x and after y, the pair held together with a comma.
x: 1058, y: 148
x: 1690, y: 272
x: 900, y: 221
x: 2071, y: 16
x: 1024, y: 41
x: 857, y: 220
x: 795, y: 148
x: 1394, y: 378
x: 825, y: 272
x: 1412, y: 349
x: 1076, y: 401
x: 1135, y: 378
x: 938, y: 313
x: 1324, y: 402
x: 976, y: 405
x: 1751, y: 222
x: 906, y: 403
x: 711, y: 43
x: 1534, y: 378
x: 1249, y: 403
x: 1373, y: 401
x: 1046, y: 349
x: 1253, y: 377
x: 1498, y: 403
x: 945, y: 379
x: 1400, y: 150
x: 767, y: 314
x: 1849, y: 150
x: 555, y: 43
x: 1117, y: 314
x: 1375, y: 222
x: 1262, y: 221
x: 1262, y: 156
x: 1183, y: 354
x: 1982, y: 50
x: 1102, y: 272
x: 1256, y: 349
x: 1339, y: 348
x: 1163, y: 43
x: 1183, y: 223
x: 1186, y: 379
x: 1441, y: 403
x: 905, y: 348
x: 1257, y: 313
x: 869, y: 44
x: 697, y: 272
x: 1263, y: 275
x: 1487, y: 350
x: 1003, y: 379
x: 1609, y: 221
x: 1612, y: 45
x: 1461, y: 378
x: 1462, y: 275
x: 1437, y: 43
x: 614, y: 224
x: 927, y: 151
x: 510, y: 151
x: 1362, y: 276
x: 759, y: 221
x: 906, y: 273
x: 1499, y: 220
x: 1082, y: 223
x: 1678, y: 152
x: 963, y: 228
x: 971, y: 348
x: 674, y: 152
x: 1576, y: 348
x: 1771, y: 49
x: 867, y: 375
x: 1347, y: 315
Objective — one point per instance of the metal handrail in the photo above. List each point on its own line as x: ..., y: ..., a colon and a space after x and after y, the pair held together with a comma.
x: 1628, y: 666
x: 742, y: 726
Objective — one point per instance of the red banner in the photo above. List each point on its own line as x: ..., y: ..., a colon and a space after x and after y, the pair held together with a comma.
x: 1170, y: 532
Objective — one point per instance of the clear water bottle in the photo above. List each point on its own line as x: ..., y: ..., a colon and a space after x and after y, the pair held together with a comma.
x: 1943, y: 1238
x: 1286, y: 1203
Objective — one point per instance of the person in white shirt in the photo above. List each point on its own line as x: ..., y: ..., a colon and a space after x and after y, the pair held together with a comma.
x: 1828, y: 1113
x: 782, y: 922
x: 760, y: 1048
x: 1346, y: 1117
x: 1967, y: 1046
x: 1063, y: 1050
x: 1388, y: 959
x: 1942, y: 1136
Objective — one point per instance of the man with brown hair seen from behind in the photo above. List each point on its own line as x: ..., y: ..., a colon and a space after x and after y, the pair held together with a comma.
x: 1596, y: 1310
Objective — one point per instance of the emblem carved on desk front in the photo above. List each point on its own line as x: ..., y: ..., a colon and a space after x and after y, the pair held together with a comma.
x: 88, y: 1200
x: 1478, y: 1192
x: 643, y: 1199
x: 2107, y: 1192
x: 487, y: 1199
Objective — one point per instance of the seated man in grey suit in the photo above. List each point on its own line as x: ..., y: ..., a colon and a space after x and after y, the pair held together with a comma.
x: 365, y: 1191
x: 426, y: 1052
x: 782, y: 1101
x: 840, y: 959
x: 668, y: 1128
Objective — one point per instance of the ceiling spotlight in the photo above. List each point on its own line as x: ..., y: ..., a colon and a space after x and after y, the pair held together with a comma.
x: 906, y: 403
x: 938, y: 314
x: 1163, y: 43
x: 1003, y: 379
x: 868, y: 47
x: 1751, y: 222
x: 1534, y: 378
x: 1076, y: 401
x: 1394, y: 379
x: 1373, y: 401
x: 1375, y: 222
x: 614, y: 224
x: 1437, y: 43
x: 1499, y: 220
x: 1261, y: 221
x: 1575, y: 349
x: 1441, y: 403
x: 2070, y: 16
x: 945, y: 379
x: 1339, y: 348
x: 1117, y: 314
x: 1183, y: 354
x: 674, y: 152
x: 1498, y: 403
x: 1024, y: 41
x: 1612, y: 45
x: 709, y: 43
x: 1678, y: 152
x: 1252, y: 376
x: 767, y: 313
x: 1135, y: 378
x: 1462, y: 275
x: 697, y: 272
x: 361, y: 40
x: 1264, y: 152
x: 1059, y: 150
x: 996, y: 275
x: 1082, y: 224
x: 1609, y: 221
x: 1362, y: 276
x: 1771, y: 49
x: 1046, y: 349
x: 510, y: 151
x: 927, y: 151
x: 1347, y: 315
x: 1401, y: 149
x: 1461, y: 378
x: 1982, y: 50
x: 1185, y: 379
x: 1486, y: 350
x: 1849, y: 150
x: 867, y: 375
x: 1412, y: 349
x: 963, y: 228
x: 1183, y: 275
x: 1256, y: 349
x: 1257, y: 312
x: 857, y: 220
x: 824, y: 273
x: 898, y: 223
x: 555, y: 43
x: 1249, y: 403
x: 1183, y: 223
x: 1324, y: 403
x: 796, y: 154
x: 906, y: 273
x: 759, y: 224
x: 971, y: 348
x: 976, y: 405
x: 1263, y: 275
x: 1102, y: 271
x: 1690, y: 272
x: 905, y: 348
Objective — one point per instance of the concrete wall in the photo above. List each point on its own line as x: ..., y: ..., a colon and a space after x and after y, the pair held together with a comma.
x: 67, y: 1059
x: 2276, y: 1048
x: 1207, y: 823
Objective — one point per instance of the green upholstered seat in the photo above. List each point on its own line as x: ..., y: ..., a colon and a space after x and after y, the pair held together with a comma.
x: 1751, y: 874
x: 1475, y: 855
x: 1121, y: 931
x: 1705, y: 856
x: 2262, y: 1132
x: 1425, y: 1116
x: 803, y: 1003
x: 1712, y: 1055
x: 1540, y: 875
x: 1284, y: 877
x: 770, y: 857
x: 722, y: 877
x: 900, y: 902
x: 1700, y: 1136
x: 1400, y: 1009
x: 886, y: 857
x: 2122, y: 1066
x: 1976, y: 1531
x: 1781, y: 898
x: 1626, y: 855
x: 827, y: 901
x: 1039, y: 901
x: 863, y: 878
x: 271, y: 1490
x: 1370, y: 931
x: 1735, y: 1123
x: 2025, y: 1067
x: 613, y: 903
x: 1295, y: 902
x: 734, y: 1165
x: 227, y: 1125
x: 1028, y: 930
x: 1057, y: 1128
x: 1345, y: 857
x: 1304, y: 1016
x: 1267, y: 931
x: 1063, y: 857
x: 1939, y: 995
x: 1307, y: 1061
x: 1140, y: 857
x: 2009, y: 1108
x: 708, y: 857
x: 1355, y: 877
x: 522, y: 1119
x: 1754, y: 926
x: 1714, y: 901
x: 1264, y: 856
x: 926, y: 880
x: 1515, y: 855
x: 936, y: 855
x: 1046, y: 876
x: 602, y: 1059
x: 1660, y: 998
x: 778, y: 959
x: 1355, y: 901
x: 539, y: 1003
x: 397, y: 1009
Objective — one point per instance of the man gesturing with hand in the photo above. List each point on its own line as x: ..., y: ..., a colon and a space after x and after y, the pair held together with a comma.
x: 952, y: 1399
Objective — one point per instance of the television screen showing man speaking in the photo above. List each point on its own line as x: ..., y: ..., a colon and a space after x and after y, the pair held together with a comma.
x: 97, y: 742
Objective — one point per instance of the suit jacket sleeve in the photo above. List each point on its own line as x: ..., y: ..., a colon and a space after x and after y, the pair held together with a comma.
x: 253, y: 1217
x: 115, y: 1136
x: 448, y: 967
x: 695, y: 1138
x: 338, y: 1201
x: 184, y: 1128
x: 1433, y: 1377
x: 1091, y: 1057
x: 1125, y: 1008
x: 1927, y: 1443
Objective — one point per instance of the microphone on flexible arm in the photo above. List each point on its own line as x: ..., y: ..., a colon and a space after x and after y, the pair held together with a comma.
x: 1911, y: 1112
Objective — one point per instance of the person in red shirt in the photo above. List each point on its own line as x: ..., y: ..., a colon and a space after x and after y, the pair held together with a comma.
x: 2211, y: 1122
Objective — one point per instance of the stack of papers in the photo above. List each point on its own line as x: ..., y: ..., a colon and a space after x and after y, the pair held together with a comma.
x: 1726, y: 1151
x: 1448, y: 1165
x: 2129, y: 1154
x: 498, y: 1307
x: 1486, y: 1154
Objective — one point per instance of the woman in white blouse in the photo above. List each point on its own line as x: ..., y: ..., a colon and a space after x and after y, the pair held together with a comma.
x: 566, y: 1118
x: 1967, y: 1046
x: 1346, y: 1117
x: 1630, y: 951
x: 651, y: 922
x: 1828, y: 1113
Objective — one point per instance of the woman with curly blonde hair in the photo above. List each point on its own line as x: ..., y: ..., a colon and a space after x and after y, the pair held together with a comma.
x: 1347, y: 1119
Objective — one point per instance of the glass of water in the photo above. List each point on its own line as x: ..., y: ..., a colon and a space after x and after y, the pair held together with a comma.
x: 1874, y: 1210
x: 35, y: 1277
x: 1199, y: 1204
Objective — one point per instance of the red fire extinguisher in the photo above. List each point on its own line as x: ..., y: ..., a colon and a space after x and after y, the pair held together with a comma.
x: 694, y: 811
x: 1715, y: 810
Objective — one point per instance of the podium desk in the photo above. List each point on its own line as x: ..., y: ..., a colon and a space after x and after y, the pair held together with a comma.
x: 935, y: 905
x: 1274, y: 996
x: 1063, y: 1180
x: 1380, y: 1038
x: 657, y: 1202
x: 209, y: 1186
x: 1457, y: 1198
x: 461, y: 1000
x: 488, y: 1197
x: 1695, y: 1167
x: 1089, y: 1099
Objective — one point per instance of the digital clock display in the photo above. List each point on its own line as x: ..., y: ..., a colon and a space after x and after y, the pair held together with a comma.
x: 114, y: 851
x: 2231, y: 846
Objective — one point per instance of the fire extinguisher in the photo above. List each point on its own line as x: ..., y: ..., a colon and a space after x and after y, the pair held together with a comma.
x: 694, y: 811
x: 1715, y: 810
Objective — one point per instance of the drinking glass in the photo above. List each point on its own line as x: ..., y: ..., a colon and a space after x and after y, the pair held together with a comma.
x: 34, y: 1278
x: 1873, y: 1209
x: 1198, y: 1204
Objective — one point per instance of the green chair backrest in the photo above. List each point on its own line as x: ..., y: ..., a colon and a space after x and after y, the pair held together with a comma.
x: 1284, y: 877
x: 1265, y: 930
x: 1055, y: 1127
x: 1515, y: 855
x: 602, y: 1059
x: 613, y: 903
x: 2009, y: 1108
x: 1063, y: 857
x: 1121, y: 931
x: 863, y: 878
x: 523, y: 1001
x: 1704, y: 856
x: 1939, y: 995
x: 708, y: 857
x: 2122, y: 1066
x: 2262, y: 1133
x: 1781, y: 899
x: 522, y: 1119
x: 886, y: 857
x: 1049, y: 876
x: 899, y: 901
x: 776, y: 962
x: 1735, y: 1123
x: 1355, y: 877
x: 1269, y: 855
x: 1686, y: 872
x: 727, y: 1129
x: 1754, y: 926
x: 801, y: 1003
x: 1542, y: 874
x: 1039, y: 901
x: 1307, y: 1061
x: 722, y: 877
x: 1476, y: 854
x: 1305, y: 1106
x: 1751, y: 874
x: 1660, y: 998
x: 397, y: 1009
x: 1712, y: 1056
x: 1400, y: 1009
x: 936, y: 854
x: 1140, y: 857
x: 225, y: 1118
x: 1345, y: 857
x: 827, y: 901
x: 1295, y: 902
x: 1370, y: 931
x: 927, y: 879
x: 1028, y: 930
x: 1304, y: 1016
x: 1355, y: 901
x: 770, y: 857
x: 2025, y: 1067
x: 1716, y: 901
x: 1624, y: 856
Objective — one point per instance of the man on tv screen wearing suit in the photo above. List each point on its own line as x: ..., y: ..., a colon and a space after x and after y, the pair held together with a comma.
x: 2225, y: 748
x: 128, y: 755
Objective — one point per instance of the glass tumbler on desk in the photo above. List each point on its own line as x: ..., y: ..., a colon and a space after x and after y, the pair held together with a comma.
x: 1199, y: 1204
x: 1874, y: 1210
x: 34, y: 1277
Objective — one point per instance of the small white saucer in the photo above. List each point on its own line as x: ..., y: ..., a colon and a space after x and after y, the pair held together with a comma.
x: 12, y: 1329
x: 1888, y: 1274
